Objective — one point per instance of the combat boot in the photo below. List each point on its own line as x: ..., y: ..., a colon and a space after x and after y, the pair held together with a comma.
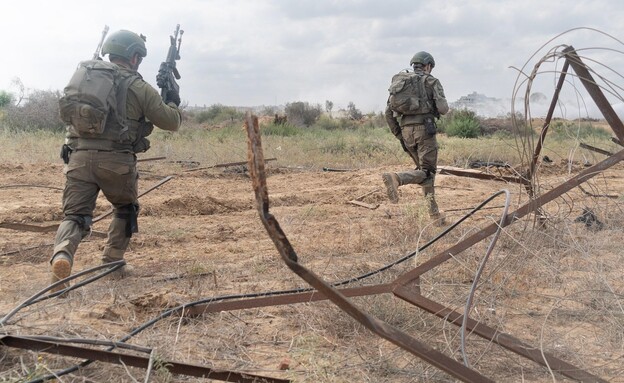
x: 434, y: 211
x: 427, y: 183
x: 121, y: 273
x: 60, y: 269
x: 391, y: 180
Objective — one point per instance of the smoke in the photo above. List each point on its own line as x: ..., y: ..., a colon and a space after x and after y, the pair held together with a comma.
x: 537, y: 107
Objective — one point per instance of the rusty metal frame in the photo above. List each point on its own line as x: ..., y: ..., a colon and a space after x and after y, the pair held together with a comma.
x: 479, y: 175
x: 289, y: 256
x: 132, y: 360
x: 407, y: 286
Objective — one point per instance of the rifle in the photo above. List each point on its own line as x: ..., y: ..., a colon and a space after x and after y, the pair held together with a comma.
x: 168, y: 73
x: 96, y: 55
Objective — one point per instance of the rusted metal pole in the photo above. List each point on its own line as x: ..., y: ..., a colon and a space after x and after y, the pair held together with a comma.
x: 287, y: 299
x: 133, y: 360
x: 594, y: 91
x: 482, y: 176
x: 225, y: 165
x: 551, y: 111
x: 595, y: 149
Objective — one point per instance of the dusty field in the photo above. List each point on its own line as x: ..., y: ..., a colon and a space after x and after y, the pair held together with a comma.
x: 200, y: 237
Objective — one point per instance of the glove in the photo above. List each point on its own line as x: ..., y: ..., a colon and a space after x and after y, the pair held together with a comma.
x: 161, y: 77
x: 173, y: 96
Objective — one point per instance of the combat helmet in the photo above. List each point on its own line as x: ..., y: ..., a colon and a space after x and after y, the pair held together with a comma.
x: 125, y: 44
x: 423, y: 58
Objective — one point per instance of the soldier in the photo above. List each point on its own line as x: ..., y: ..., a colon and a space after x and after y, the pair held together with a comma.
x: 415, y: 129
x: 106, y: 160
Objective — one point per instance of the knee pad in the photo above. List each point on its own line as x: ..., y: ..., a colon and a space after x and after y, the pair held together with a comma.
x: 83, y: 221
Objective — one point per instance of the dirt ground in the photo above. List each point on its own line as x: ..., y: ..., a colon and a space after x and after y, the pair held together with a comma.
x: 200, y: 236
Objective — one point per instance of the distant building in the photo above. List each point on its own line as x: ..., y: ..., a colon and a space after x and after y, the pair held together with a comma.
x: 482, y: 105
x: 474, y: 100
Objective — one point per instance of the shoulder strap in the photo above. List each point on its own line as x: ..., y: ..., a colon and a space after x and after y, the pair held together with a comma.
x: 125, y: 80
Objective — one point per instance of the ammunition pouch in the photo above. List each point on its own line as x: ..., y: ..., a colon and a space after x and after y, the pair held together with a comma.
x: 141, y: 143
x: 129, y: 213
x: 65, y: 152
x: 430, y: 125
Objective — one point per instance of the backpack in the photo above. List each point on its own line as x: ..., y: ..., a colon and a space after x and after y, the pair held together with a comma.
x: 408, y: 94
x: 94, y: 99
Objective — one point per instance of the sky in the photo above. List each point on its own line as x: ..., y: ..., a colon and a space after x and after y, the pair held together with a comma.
x: 272, y: 52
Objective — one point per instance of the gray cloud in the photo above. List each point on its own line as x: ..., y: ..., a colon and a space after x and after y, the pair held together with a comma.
x: 271, y: 52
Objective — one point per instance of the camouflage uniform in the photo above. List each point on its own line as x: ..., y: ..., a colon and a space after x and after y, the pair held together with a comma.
x: 422, y: 147
x: 96, y: 164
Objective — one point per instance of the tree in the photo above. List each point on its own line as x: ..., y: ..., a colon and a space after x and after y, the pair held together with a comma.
x: 16, y: 82
x: 329, y: 105
x: 353, y: 112
x: 6, y: 98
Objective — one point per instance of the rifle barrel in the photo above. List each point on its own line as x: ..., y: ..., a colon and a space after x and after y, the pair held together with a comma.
x: 96, y: 55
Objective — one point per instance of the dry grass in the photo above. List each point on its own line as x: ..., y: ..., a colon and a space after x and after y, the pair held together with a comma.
x: 557, y: 287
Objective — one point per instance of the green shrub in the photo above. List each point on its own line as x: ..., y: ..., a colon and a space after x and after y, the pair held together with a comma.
x: 6, y: 98
x: 575, y: 130
x: 461, y: 123
x: 217, y: 113
x: 327, y: 123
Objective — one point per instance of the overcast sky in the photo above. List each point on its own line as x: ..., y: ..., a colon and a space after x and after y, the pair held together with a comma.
x: 270, y: 52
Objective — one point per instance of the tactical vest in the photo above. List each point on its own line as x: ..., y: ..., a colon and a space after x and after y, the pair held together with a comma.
x: 408, y: 94
x: 94, y: 107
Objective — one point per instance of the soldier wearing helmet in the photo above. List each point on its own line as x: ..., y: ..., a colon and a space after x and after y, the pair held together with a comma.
x: 125, y: 45
x: 415, y: 129
x: 107, y: 161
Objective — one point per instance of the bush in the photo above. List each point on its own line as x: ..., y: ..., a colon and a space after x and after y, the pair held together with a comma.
x: 461, y: 123
x: 353, y: 112
x: 40, y: 112
x: 6, y: 98
x: 327, y: 123
x: 217, y: 113
x: 576, y: 130
x: 377, y: 120
x: 508, y: 126
x: 302, y: 113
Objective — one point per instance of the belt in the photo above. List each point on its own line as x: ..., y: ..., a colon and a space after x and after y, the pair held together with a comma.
x: 415, y: 125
